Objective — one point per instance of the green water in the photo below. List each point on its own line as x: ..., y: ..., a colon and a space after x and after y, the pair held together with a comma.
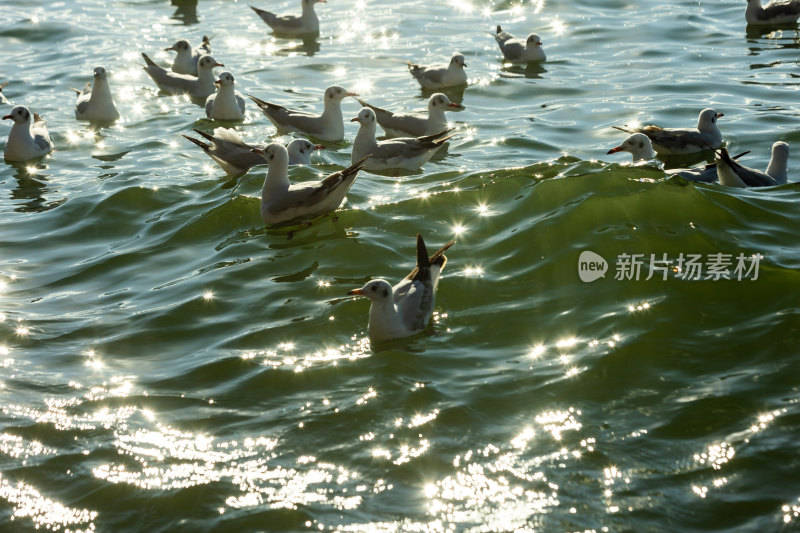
x: 170, y: 364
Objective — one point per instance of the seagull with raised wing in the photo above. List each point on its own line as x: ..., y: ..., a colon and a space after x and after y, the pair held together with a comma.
x: 235, y: 156
x: 408, y: 153
x: 28, y: 138
x: 186, y: 60
x: 96, y: 103
x: 733, y: 174
x: 307, y: 23
x: 441, y: 76
x: 227, y: 103
x: 329, y: 126
x: 774, y: 13
x: 200, y: 86
x: 3, y: 99
x: 405, y: 309
x: 640, y: 148
x: 668, y: 141
x: 517, y: 50
x: 282, y: 201
x: 402, y: 125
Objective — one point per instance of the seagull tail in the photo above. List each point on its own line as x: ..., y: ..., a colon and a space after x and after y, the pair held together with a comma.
x: 422, y: 253
x: 203, y: 134
x: 150, y: 62
x: 199, y: 143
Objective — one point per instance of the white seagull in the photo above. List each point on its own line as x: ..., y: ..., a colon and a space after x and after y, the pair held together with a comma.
x: 397, y: 125
x: 733, y: 174
x: 517, y: 50
x: 327, y: 127
x: 95, y: 103
x: 235, y: 156
x: 640, y: 148
x: 282, y: 201
x: 668, y: 141
x: 200, y: 86
x: 26, y: 140
x: 406, y: 308
x: 186, y: 60
x: 775, y: 12
x: 227, y: 103
x: 441, y: 76
x: 306, y: 23
x: 409, y: 153
x: 3, y: 99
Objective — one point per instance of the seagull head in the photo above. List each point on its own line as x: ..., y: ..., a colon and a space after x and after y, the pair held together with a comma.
x: 208, y: 63
x: 20, y: 115
x: 99, y: 73
x: 365, y: 117
x: 335, y: 93
x: 441, y: 101
x: 274, y: 154
x: 225, y: 79
x: 638, y: 145
x: 708, y: 119
x: 458, y: 60
x: 180, y: 46
x: 533, y: 40
x: 780, y: 149
x: 376, y: 290
x: 302, y: 147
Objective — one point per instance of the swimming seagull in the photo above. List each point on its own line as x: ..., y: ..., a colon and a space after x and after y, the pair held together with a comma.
x: 282, y: 201
x: 397, y: 125
x: 227, y: 103
x: 401, y: 152
x: 235, y: 156
x: 441, y: 76
x: 668, y: 141
x: 3, y: 99
x: 733, y: 174
x: 95, y: 103
x: 26, y: 141
x: 200, y: 86
x: 186, y: 60
x: 327, y: 127
x: 775, y: 12
x: 517, y: 50
x: 406, y: 308
x: 306, y: 23
x: 640, y: 148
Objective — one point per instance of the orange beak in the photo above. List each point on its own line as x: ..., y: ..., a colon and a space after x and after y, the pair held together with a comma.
x: 319, y: 147
x: 258, y: 151
x: 615, y: 150
x: 7, y: 116
x: 356, y: 292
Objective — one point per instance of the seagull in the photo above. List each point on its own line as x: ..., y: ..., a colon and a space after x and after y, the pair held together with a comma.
x: 517, y: 50
x: 200, y: 86
x: 306, y: 23
x: 681, y: 142
x: 26, y: 141
x: 640, y: 148
x: 327, y: 127
x: 775, y: 12
x: 186, y: 60
x: 3, y: 99
x: 95, y: 103
x: 406, y: 308
x: 402, y: 152
x: 226, y: 103
x: 397, y: 125
x: 236, y: 157
x: 733, y: 174
x: 282, y: 201
x: 440, y: 77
